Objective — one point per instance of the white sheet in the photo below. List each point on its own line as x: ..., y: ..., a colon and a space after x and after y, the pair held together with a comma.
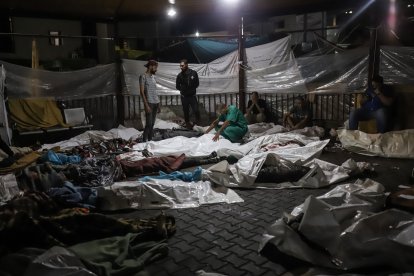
x: 397, y: 144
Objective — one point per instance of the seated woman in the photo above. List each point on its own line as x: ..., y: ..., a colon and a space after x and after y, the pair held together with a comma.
x: 298, y: 116
x: 231, y: 123
x: 256, y: 107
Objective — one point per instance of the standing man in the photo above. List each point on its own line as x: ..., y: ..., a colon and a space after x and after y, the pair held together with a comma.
x: 148, y: 91
x: 187, y: 83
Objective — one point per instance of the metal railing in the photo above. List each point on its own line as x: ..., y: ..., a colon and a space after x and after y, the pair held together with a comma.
x: 327, y: 109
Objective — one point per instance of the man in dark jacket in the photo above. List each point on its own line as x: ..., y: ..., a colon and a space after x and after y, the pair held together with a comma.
x: 187, y: 83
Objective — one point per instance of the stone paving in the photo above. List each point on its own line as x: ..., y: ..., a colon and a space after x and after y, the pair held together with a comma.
x: 224, y: 238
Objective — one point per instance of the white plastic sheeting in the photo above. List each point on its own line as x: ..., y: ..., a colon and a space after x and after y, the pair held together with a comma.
x: 58, y: 261
x: 8, y: 187
x: 164, y: 193
x: 262, y: 129
x: 397, y: 144
x: 23, y: 82
x: 5, y: 132
x: 271, y: 67
x: 243, y: 174
x: 204, y: 145
x: 356, y: 232
x: 97, y: 135
x: 192, y: 147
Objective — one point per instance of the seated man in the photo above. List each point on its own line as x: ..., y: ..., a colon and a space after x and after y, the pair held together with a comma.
x: 298, y: 116
x: 231, y: 123
x: 255, y: 112
x: 376, y: 105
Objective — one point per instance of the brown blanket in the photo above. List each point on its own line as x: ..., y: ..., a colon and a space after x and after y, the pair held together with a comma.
x: 152, y: 165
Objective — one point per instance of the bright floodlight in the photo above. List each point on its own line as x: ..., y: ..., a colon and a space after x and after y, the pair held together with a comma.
x: 197, y: 33
x: 171, y: 12
x: 172, y: 2
x: 231, y: 1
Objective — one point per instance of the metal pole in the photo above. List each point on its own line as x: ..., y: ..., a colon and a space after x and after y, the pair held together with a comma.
x: 119, y: 95
x: 374, y: 55
x: 242, y: 65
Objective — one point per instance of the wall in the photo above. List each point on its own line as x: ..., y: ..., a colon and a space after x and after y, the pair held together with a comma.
x: 23, y: 44
x: 149, y: 29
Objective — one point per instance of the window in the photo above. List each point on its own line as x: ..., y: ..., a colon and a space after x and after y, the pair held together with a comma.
x: 54, y: 38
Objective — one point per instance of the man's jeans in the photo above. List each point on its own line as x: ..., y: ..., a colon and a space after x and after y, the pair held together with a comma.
x: 362, y: 114
x: 149, y: 122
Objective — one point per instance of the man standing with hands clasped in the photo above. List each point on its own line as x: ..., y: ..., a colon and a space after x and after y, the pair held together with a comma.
x: 187, y: 83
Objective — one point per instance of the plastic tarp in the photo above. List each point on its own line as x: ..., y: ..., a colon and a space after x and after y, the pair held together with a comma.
x: 8, y: 187
x: 99, y: 135
x: 271, y: 67
x: 357, y: 233
x: 397, y: 64
x: 397, y: 144
x: 165, y: 193
x: 207, y: 50
x: 23, y: 82
x: 5, y: 132
x: 243, y: 174
x: 58, y: 261
x: 204, y: 145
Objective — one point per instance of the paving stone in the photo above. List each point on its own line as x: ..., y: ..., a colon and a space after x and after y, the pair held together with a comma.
x: 190, y: 238
x: 222, y: 243
x: 182, y: 245
x: 219, y: 252
x: 177, y: 255
x: 227, y: 235
x: 236, y: 260
x: 256, y: 258
x: 238, y: 250
x: 198, y: 254
x: 230, y: 270
x: 192, y: 264
x: 214, y: 262
x: 203, y: 245
x: 254, y: 269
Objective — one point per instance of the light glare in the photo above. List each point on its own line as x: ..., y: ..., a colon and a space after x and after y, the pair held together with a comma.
x: 197, y: 34
x: 171, y: 12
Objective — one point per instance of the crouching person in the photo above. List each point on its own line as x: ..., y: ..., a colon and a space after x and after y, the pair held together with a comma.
x: 231, y: 123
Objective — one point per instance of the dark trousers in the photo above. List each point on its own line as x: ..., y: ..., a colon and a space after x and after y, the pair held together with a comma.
x: 187, y: 102
x: 149, y: 122
x: 4, y: 147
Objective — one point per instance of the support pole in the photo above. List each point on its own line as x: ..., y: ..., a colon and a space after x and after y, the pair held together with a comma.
x: 119, y: 95
x: 242, y: 65
x: 374, y: 55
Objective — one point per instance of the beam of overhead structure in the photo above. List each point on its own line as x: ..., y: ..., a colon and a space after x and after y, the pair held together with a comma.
x: 136, y: 9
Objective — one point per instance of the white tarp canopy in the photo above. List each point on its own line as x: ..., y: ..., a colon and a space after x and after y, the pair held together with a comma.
x: 271, y: 67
